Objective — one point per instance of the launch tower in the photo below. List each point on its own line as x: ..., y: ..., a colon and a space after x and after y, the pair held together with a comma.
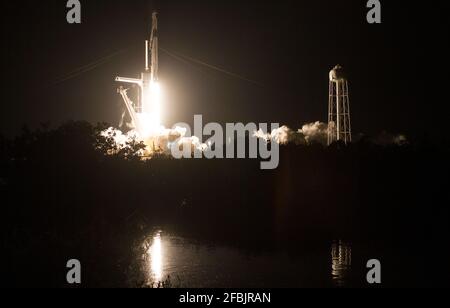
x: 145, y: 113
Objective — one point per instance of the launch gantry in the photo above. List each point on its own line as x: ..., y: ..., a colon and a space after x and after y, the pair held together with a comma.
x: 146, y: 108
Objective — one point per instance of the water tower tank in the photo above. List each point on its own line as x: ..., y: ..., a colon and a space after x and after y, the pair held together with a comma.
x: 337, y: 74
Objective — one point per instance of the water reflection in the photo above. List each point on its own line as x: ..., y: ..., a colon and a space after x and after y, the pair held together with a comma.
x: 155, y: 253
x: 167, y: 260
x: 341, y: 262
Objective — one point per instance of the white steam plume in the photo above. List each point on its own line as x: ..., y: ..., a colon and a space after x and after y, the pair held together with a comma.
x: 315, y: 132
x: 161, y: 142
x: 281, y: 135
x: 309, y: 133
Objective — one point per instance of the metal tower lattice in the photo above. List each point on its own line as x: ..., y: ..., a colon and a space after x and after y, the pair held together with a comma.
x: 148, y: 78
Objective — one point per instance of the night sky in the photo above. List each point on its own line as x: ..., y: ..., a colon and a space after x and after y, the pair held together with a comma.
x: 398, y: 70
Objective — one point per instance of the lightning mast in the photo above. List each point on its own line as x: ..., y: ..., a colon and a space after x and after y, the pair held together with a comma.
x: 145, y: 113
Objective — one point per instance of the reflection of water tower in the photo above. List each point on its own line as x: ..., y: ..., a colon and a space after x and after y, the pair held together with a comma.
x: 339, y: 124
x: 341, y: 262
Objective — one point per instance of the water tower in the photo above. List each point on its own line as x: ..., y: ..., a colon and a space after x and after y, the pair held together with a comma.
x: 339, y: 122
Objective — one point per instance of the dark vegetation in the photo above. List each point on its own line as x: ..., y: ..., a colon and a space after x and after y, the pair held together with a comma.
x: 62, y: 197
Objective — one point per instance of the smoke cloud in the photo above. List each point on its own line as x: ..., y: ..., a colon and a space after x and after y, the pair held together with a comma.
x: 162, y: 142
x: 282, y: 135
x: 166, y: 139
x: 310, y: 133
x: 315, y: 132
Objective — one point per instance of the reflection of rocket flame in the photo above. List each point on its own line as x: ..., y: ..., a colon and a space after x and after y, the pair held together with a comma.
x: 156, y: 258
x: 341, y: 262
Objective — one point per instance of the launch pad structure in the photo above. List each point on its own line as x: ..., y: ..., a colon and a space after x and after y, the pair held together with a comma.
x: 145, y: 112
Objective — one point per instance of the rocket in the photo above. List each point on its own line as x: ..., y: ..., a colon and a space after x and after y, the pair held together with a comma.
x: 152, y: 49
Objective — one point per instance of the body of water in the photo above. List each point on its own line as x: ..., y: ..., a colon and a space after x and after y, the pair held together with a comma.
x: 172, y: 261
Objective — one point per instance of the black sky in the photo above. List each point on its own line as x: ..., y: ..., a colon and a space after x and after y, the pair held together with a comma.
x: 398, y: 70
